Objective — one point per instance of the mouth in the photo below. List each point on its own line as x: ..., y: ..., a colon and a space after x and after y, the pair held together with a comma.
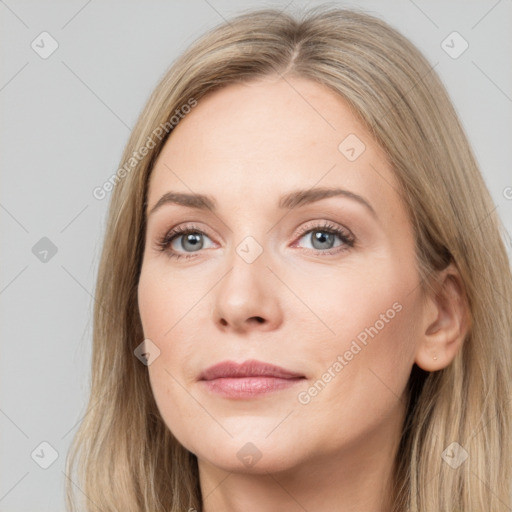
x: 247, y: 380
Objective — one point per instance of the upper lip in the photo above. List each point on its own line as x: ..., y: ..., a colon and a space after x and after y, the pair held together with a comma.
x: 251, y: 368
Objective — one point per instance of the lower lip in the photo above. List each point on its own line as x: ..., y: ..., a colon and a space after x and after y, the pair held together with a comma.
x: 249, y: 387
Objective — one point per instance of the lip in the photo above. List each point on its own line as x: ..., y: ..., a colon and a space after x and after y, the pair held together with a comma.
x: 250, y: 368
x: 248, y: 379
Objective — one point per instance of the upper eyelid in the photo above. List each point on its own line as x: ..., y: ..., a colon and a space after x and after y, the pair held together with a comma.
x: 313, y: 224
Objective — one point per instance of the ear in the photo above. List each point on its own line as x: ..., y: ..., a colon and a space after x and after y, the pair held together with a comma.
x: 446, y: 321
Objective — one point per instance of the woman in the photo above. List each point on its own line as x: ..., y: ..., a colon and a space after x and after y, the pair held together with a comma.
x: 303, y: 301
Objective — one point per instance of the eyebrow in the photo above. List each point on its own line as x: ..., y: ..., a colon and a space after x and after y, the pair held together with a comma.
x: 291, y: 200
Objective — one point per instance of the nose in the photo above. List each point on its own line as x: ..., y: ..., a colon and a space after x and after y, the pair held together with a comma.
x: 247, y: 298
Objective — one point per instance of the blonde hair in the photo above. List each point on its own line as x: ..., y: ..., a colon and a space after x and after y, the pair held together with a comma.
x: 127, y: 459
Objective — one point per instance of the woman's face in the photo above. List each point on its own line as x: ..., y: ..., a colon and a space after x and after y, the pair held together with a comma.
x: 302, y: 257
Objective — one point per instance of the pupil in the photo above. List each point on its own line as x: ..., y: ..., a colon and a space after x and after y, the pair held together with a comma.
x: 193, y: 239
x: 322, y: 237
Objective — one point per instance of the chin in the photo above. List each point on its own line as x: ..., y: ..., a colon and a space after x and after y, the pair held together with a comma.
x: 268, y: 463
x: 241, y: 455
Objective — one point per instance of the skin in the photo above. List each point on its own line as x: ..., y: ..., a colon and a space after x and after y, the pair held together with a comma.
x: 247, y: 145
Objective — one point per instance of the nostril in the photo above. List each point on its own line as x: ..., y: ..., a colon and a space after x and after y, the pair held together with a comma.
x: 257, y: 319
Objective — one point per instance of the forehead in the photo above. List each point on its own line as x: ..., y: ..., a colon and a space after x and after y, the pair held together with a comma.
x: 263, y: 138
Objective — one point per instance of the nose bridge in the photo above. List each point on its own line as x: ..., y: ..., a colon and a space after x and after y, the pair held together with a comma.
x: 250, y: 249
x: 250, y: 239
x: 247, y: 293
x: 248, y: 260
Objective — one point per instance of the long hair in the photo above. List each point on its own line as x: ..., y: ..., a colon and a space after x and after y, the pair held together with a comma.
x: 125, y: 456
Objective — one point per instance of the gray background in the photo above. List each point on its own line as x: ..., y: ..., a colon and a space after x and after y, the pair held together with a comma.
x: 65, y: 120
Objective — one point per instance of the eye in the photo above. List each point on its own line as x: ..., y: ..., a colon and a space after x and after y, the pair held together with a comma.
x: 186, y: 238
x: 323, y: 238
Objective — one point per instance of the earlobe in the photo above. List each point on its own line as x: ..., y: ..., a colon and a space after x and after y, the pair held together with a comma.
x: 445, y: 322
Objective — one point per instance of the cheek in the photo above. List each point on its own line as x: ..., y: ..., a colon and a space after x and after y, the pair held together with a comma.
x: 352, y: 298
x: 163, y: 299
x: 180, y: 412
x: 165, y: 308
x: 360, y: 373
x: 152, y: 298
x: 370, y: 326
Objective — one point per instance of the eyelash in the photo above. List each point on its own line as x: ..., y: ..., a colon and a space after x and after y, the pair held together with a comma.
x: 348, y: 240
